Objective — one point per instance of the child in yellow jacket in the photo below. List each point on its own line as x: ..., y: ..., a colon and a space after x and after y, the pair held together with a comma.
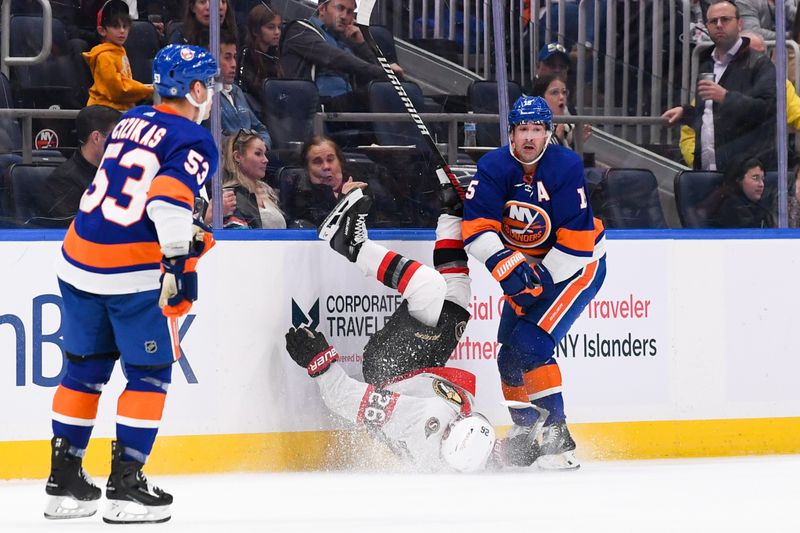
x: 114, y: 85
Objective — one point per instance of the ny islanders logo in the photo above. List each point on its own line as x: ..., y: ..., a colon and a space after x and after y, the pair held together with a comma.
x: 525, y: 225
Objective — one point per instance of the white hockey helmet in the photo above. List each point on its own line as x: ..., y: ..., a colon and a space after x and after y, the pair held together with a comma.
x: 467, y: 442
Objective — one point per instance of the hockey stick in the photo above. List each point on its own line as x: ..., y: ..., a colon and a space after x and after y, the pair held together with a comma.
x: 443, y: 172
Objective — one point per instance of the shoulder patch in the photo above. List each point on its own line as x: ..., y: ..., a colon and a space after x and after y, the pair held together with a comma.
x: 448, y: 392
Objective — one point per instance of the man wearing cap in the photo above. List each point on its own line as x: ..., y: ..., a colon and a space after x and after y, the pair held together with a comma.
x: 553, y: 59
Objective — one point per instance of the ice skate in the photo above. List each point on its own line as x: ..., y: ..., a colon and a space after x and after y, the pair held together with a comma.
x: 72, y: 492
x: 557, y: 448
x: 345, y: 227
x: 131, y: 498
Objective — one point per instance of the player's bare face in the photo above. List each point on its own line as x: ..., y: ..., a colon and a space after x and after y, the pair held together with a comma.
x: 116, y: 34
x: 270, y: 33
x: 253, y: 162
x: 529, y: 140
x: 324, y: 167
x: 338, y: 14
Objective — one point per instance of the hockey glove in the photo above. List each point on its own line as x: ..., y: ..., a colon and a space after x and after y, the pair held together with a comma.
x: 519, y: 281
x: 311, y: 350
x: 178, y: 274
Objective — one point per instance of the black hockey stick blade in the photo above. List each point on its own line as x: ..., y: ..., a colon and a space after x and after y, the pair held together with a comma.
x: 443, y: 172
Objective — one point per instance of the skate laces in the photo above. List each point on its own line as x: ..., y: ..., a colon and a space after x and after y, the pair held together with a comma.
x: 360, y: 229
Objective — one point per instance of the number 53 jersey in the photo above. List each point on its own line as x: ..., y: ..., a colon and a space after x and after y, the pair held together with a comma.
x: 153, y: 158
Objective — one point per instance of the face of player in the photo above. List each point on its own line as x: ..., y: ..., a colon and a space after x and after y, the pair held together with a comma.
x: 253, y: 162
x: 324, y: 167
x: 529, y: 140
x: 227, y: 63
x: 753, y: 183
x: 723, y: 26
x: 203, y: 14
x: 338, y: 14
x: 204, y: 97
x: 556, y: 96
x: 270, y: 33
x: 114, y: 34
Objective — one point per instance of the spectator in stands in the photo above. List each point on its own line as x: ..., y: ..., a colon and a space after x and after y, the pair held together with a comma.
x: 114, y: 85
x: 553, y: 60
x: 235, y: 111
x: 245, y: 163
x: 67, y: 183
x: 794, y: 198
x: 554, y: 91
x: 759, y: 16
x: 330, y: 50
x: 316, y: 193
x: 688, y: 137
x: 259, y: 58
x: 196, y: 19
x: 735, y: 116
x: 740, y: 198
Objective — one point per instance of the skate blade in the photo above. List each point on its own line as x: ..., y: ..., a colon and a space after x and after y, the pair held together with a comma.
x: 126, y: 512
x: 62, y: 507
x: 331, y: 223
x: 559, y: 461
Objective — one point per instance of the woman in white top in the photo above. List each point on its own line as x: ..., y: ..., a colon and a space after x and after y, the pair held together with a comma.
x: 245, y: 163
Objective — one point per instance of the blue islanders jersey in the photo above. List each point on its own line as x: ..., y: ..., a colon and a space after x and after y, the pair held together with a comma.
x: 545, y: 216
x: 152, y: 154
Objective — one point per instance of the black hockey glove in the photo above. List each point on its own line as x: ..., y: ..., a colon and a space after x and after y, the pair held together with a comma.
x: 311, y: 350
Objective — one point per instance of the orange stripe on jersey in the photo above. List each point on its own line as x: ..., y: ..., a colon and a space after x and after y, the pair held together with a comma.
x: 567, y: 298
x: 165, y: 108
x: 172, y: 188
x: 110, y: 255
x: 542, y: 378
x: 578, y: 240
x: 470, y: 228
x: 598, y: 226
x: 75, y: 404
x: 517, y: 394
x: 141, y: 405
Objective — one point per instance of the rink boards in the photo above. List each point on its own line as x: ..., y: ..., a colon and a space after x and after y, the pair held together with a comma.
x: 690, y: 349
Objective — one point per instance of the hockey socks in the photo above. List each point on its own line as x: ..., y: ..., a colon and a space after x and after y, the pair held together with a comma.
x: 76, y: 399
x: 139, y: 410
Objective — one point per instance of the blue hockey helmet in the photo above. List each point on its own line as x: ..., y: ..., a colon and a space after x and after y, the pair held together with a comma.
x: 532, y: 109
x: 176, y: 66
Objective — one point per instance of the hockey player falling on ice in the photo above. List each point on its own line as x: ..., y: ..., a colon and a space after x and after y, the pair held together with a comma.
x: 126, y: 273
x: 527, y: 218
x: 422, y: 409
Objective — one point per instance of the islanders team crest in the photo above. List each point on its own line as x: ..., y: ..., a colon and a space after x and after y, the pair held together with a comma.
x: 525, y: 225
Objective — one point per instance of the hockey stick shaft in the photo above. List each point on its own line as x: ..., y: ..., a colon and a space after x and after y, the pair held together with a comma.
x: 443, y: 172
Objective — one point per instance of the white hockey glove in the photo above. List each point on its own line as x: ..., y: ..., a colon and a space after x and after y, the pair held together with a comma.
x: 178, y: 274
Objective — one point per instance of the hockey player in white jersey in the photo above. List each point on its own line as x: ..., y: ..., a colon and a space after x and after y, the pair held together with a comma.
x: 422, y: 409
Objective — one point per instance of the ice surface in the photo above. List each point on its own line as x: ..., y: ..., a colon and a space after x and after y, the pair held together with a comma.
x: 753, y: 494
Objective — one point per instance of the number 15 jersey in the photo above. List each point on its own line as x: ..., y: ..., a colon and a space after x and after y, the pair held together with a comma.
x: 153, y: 157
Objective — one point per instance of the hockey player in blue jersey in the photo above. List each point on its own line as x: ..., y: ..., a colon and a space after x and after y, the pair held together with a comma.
x: 528, y: 219
x: 126, y: 274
